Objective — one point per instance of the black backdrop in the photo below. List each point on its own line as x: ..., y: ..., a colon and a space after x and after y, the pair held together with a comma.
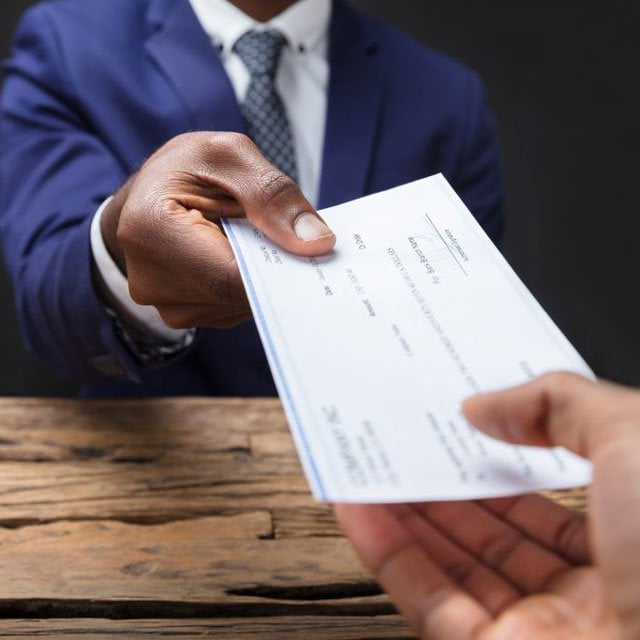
x: 562, y: 78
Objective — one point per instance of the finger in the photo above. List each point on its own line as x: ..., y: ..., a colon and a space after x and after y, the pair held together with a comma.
x: 521, y: 560
x: 212, y: 203
x: 479, y: 581
x: 557, y: 409
x: 601, y: 422
x: 427, y: 597
x: 271, y: 200
x: 562, y: 530
x: 192, y: 263
x: 588, y: 603
x: 574, y: 607
x: 217, y: 316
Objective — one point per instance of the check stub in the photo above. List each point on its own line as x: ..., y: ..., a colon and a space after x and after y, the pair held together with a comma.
x: 374, y: 347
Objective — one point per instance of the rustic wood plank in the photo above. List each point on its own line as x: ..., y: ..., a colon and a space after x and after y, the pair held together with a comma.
x: 252, y: 525
x: 171, y: 518
x: 160, y: 492
x: 43, y: 492
x: 272, y: 443
x: 144, y: 431
x: 314, y: 520
x: 388, y: 627
x: 213, y: 561
x: 140, y: 430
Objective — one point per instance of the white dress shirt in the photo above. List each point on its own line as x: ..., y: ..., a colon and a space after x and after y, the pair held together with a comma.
x: 302, y: 82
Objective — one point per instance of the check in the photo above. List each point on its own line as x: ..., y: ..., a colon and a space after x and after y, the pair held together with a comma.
x: 374, y: 347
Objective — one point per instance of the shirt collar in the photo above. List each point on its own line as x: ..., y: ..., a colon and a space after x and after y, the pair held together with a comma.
x: 304, y: 24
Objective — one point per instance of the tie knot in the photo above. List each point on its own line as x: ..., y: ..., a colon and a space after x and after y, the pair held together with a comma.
x: 260, y: 51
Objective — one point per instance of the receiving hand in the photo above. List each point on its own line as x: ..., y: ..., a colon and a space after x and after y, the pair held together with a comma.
x: 522, y: 568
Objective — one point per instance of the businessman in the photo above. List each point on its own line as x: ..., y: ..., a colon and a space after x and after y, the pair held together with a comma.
x: 127, y: 129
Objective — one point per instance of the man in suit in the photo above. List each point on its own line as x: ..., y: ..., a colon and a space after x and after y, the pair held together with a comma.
x: 115, y: 260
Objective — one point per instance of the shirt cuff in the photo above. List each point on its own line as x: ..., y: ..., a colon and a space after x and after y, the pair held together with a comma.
x: 146, y: 317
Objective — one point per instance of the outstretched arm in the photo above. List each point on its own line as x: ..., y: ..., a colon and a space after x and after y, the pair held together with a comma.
x: 55, y: 171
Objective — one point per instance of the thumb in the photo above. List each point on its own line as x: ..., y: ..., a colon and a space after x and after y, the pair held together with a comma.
x: 269, y: 199
x: 558, y: 409
x: 600, y: 422
x: 277, y: 207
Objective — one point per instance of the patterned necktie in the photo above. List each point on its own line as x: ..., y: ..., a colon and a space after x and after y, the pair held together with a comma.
x: 263, y: 110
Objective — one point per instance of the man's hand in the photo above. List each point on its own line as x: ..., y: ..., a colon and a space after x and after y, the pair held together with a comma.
x: 522, y: 568
x: 162, y: 226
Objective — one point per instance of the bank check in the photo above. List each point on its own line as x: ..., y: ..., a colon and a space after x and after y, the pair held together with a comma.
x: 374, y: 347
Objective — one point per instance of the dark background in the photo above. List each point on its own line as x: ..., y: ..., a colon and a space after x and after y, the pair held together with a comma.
x: 562, y: 78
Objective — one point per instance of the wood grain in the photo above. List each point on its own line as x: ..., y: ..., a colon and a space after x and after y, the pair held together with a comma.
x: 172, y: 518
x: 387, y: 627
x: 132, y: 431
x: 205, y: 560
x: 158, y: 492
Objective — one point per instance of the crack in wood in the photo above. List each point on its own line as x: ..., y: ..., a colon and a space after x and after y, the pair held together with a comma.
x: 150, y: 520
x: 128, y: 609
x: 336, y: 591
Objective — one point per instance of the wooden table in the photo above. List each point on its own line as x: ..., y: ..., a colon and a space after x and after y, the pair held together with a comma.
x: 176, y: 518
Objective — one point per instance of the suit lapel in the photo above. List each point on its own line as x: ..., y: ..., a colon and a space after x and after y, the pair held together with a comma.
x: 355, y: 99
x: 183, y: 52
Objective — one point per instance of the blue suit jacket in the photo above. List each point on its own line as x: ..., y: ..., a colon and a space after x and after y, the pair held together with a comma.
x: 95, y: 86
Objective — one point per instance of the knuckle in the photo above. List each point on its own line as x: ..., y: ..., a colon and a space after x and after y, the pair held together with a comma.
x: 174, y: 150
x: 555, y: 379
x: 562, y: 383
x: 230, y: 143
x: 186, y: 140
x: 223, y: 155
x: 549, y: 378
x: 128, y: 221
x: 275, y: 186
x: 142, y: 220
x: 127, y: 232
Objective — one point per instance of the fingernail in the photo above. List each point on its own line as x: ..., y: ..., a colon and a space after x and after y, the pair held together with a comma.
x: 309, y: 227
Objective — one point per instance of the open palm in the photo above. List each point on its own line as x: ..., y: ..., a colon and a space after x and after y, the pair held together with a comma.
x: 506, y: 569
x: 523, y: 568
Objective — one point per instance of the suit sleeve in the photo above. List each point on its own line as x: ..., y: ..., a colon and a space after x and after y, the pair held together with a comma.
x: 54, y: 173
x: 478, y: 176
